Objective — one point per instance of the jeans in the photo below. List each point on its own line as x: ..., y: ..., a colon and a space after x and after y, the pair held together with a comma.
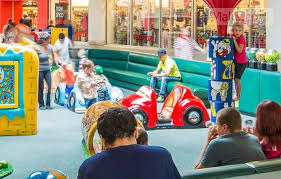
x: 164, y: 82
x: 103, y: 94
x: 89, y: 102
x: 47, y: 76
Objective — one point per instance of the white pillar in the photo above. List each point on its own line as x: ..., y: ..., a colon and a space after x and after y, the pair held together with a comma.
x: 97, y: 22
x: 273, y: 26
x: 111, y: 15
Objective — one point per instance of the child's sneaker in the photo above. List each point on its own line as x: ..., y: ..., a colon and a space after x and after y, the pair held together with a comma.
x: 160, y: 99
x: 65, y: 105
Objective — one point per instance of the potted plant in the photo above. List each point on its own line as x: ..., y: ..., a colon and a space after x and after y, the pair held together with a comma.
x: 271, y: 57
x: 261, y: 58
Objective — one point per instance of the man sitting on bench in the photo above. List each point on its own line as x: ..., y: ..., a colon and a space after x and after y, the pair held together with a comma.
x: 232, y: 146
x: 170, y: 72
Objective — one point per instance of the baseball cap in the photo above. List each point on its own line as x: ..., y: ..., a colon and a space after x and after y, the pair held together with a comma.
x: 161, y: 51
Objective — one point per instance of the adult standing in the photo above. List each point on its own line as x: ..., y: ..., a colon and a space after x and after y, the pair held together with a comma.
x: 185, y: 46
x: 45, y: 51
x: 170, y: 72
x: 62, y: 46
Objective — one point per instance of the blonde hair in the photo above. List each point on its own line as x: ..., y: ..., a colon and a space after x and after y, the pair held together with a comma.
x: 87, y: 64
x: 238, y: 24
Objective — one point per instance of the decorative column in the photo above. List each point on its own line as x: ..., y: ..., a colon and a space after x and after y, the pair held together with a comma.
x: 43, y: 14
x: 222, y: 74
x: 97, y: 22
x: 10, y: 9
x: 221, y: 52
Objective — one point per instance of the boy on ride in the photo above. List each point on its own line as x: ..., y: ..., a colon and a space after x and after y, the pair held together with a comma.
x: 86, y: 83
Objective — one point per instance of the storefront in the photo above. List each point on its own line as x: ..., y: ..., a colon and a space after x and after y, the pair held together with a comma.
x: 74, y: 12
x: 30, y: 12
x: 156, y: 23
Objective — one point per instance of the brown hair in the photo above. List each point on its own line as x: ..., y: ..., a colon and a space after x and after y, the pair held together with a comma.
x: 238, y: 24
x: 87, y: 64
x: 268, y: 122
x: 142, y: 137
x: 231, y: 117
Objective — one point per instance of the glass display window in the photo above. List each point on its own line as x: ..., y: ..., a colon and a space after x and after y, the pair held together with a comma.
x: 80, y: 23
x: 119, y: 15
x: 30, y: 9
x: 176, y: 15
x: 146, y: 14
x: 252, y: 13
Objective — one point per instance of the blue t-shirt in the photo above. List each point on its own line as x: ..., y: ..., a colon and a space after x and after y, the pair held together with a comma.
x: 234, y: 148
x: 128, y: 162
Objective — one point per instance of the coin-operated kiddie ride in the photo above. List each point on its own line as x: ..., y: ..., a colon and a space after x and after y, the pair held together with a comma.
x: 181, y: 109
x: 5, y: 168
x: 221, y: 53
x: 91, y: 142
x: 18, y: 90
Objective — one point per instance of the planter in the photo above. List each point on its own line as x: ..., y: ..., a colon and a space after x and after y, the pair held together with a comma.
x: 261, y: 65
x: 253, y: 64
x: 271, y: 66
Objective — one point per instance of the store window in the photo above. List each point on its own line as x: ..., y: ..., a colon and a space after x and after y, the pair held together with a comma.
x: 30, y: 10
x: 118, y: 22
x: 252, y: 13
x: 146, y: 14
x: 176, y: 15
x: 79, y: 14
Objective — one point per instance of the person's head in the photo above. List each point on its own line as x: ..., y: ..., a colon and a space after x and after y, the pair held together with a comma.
x: 81, y: 53
x: 98, y: 69
x: 44, y: 39
x: 10, y: 21
x: 162, y: 54
x: 117, y: 124
x: 185, y: 32
x: 88, y: 66
x: 228, y: 121
x: 268, y: 123
x: 61, y: 37
x: 142, y: 136
x: 21, y: 21
x: 237, y: 29
x: 27, y: 22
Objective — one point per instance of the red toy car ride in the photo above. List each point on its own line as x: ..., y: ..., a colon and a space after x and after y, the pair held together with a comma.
x: 181, y: 109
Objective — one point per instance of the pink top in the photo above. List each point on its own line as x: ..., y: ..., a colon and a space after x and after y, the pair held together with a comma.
x: 270, y: 153
x: 241, y: 57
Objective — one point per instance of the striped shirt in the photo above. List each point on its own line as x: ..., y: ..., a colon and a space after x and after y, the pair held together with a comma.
x: 185, y: 48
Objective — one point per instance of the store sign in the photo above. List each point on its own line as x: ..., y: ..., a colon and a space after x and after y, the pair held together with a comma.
x: 61, y: 13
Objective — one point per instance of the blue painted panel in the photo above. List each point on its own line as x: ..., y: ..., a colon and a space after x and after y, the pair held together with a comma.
x: 221, y: 48
x: 222, y: 69
x: 220, y: 91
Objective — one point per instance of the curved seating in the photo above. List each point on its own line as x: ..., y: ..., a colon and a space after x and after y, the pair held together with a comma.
x: 251, y: 168
x: 129, y: 70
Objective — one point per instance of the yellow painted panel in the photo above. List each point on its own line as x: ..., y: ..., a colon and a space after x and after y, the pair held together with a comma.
x: 28, y: 124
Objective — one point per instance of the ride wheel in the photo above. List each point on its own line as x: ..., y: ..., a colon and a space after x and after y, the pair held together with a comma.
x: 89, y: 125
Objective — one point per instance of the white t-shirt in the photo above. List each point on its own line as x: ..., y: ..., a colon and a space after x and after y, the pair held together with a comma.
x: 62, y: 48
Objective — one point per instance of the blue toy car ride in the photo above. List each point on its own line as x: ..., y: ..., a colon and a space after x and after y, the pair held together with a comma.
x: 76, y: 102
